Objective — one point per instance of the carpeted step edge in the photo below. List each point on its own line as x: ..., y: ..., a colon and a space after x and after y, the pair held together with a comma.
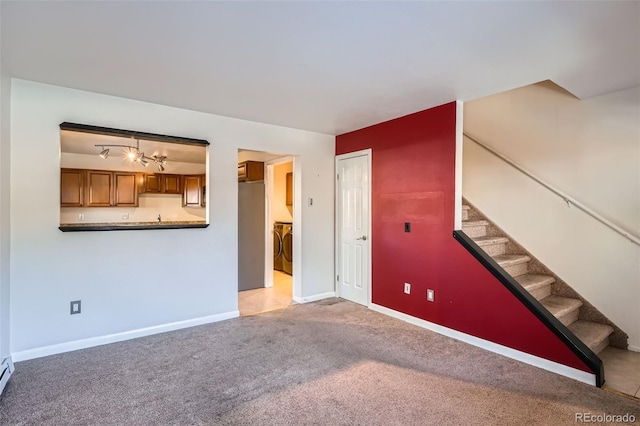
x: 592, y: 334
x: 563, y: 308
x: 539, y: 286
x: 513, y: 264
x: 493, y: 246
x: 475, y: 228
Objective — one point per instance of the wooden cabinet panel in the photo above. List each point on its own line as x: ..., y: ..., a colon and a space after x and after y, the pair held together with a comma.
x: 171, y: 184
x: 152, y: 183
x: 71, y: 188
x: 203, y: 179
x: 192, y: 196
x: 250, y: 171
x: 98, y: 190
x: 156, y: 183
x: 126, y: 190
x: 289, y: 189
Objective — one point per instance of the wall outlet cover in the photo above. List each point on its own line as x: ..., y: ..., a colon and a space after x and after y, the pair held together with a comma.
x: 430, y: 295
x: 76, y: 307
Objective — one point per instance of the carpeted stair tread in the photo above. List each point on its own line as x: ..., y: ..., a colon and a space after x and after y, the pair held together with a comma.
x: 560, y: 306
x: 532, y: 282
x: 591, y: 333
x: 538, y: 285
x: 487, y: 240
x: 472, y: 223
x: 505, y: 260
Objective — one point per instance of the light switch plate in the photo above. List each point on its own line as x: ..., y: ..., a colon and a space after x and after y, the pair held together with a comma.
x: 407, y: 288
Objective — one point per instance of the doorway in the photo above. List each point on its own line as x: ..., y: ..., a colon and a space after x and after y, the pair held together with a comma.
x: 353, y: 227
x: 265, y: 232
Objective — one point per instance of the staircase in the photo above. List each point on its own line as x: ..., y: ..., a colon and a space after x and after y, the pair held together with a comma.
x: 573, y: 312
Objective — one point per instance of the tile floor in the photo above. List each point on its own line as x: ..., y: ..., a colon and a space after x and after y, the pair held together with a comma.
x: 251, y: 302
x: 621, y: 370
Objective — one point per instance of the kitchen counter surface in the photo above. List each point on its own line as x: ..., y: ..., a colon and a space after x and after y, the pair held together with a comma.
x: 130, y: 226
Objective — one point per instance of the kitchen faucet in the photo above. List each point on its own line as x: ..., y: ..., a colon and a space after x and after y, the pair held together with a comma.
x: 159, y: 219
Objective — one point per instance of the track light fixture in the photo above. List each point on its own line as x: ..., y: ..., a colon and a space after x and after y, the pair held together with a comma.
x: 105, y: 152
x: 134, y: 154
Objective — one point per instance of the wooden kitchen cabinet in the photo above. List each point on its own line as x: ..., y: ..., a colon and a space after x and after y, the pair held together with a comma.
x: 71, y: 188
x: 249, y: 171
x: 192, y: 196
x: 289, y: 189
x: 203, y: 179
x: 171, y: 184
x: 156, y: 183
x: 125, y: 191
x: 111, y: 189
x: 152, y: 183
x: 99, y: 188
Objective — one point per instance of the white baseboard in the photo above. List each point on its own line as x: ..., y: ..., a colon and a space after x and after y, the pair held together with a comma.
x: 8, y: 364
x: 545, y: 364
x: 118, y: 337
x: 315, y: 297
x: 633, y: 348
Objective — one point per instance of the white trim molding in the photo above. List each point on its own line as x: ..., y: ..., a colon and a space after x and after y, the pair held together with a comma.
x: 457, y: 210
x: 119, y: 337
x: 545, y: 364
x: 315, y: 297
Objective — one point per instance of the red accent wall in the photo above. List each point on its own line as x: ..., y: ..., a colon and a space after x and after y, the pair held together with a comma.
x: 413, y: 166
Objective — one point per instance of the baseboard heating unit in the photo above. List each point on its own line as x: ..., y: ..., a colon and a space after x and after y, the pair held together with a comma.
x: 6, y: 368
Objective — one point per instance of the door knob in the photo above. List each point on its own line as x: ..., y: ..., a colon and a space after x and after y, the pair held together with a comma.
x: 363, y: 238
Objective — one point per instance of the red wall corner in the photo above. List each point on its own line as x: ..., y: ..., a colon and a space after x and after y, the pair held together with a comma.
x: 413, y: 175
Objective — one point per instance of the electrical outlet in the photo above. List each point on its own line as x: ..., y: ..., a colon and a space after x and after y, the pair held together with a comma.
x: 430, y: 295
x: 407, y: 288
x: 76, y: 307
x: 80, y: 216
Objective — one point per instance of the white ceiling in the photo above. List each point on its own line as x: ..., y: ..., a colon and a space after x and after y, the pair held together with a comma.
x: 85, y: 143
x: 330, y: 67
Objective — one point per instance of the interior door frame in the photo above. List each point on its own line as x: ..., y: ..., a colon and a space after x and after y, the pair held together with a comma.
x: 268, y: 195
x: 338, y: 222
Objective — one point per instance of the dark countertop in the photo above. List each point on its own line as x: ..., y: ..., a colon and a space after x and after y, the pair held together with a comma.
x: 130, y: 226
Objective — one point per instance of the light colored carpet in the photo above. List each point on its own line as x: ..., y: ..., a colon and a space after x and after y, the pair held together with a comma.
x: 330, y: 362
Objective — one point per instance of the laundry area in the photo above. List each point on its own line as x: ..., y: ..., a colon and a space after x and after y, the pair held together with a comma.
x: 265, y: 232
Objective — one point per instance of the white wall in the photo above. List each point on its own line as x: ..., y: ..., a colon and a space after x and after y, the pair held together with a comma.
x: 280, y: 212
x: 590, y: 149
x: 179, y: 274
x: 5, y: 99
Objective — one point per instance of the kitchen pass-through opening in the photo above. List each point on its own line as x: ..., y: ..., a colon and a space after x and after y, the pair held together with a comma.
x: 265, y: 231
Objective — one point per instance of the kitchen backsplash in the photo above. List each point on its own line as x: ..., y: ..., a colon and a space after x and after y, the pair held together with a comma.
x: 168, y: 206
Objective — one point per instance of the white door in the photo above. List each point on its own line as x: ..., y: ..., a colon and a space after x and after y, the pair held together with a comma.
x: 354, y: 242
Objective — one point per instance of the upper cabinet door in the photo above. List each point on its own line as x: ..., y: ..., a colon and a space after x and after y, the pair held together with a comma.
x: 98, y: 190
x: 249, y: 171
x: 192, y: 191
x: 126, y: 190
x: 172, y: 184
x: 152, y: 183
x: 71, y: 188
